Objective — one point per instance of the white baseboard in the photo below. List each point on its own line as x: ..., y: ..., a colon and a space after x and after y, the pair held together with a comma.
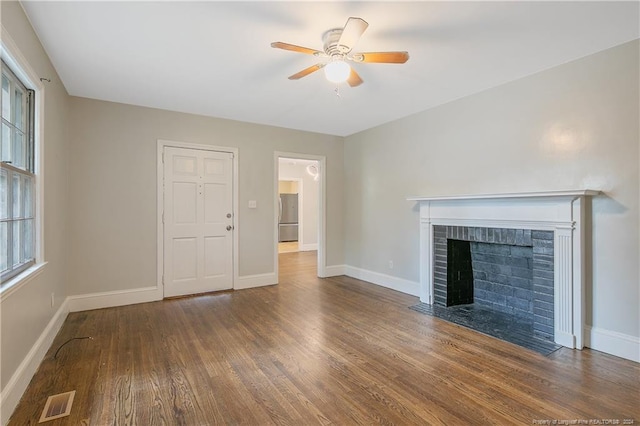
x: 18, y: 383
x: 333, y: 271
x: 109, y: 299
x: 613, y: 343
x: 394, y: 283
x: 308, y: 247
x: 258, y: 280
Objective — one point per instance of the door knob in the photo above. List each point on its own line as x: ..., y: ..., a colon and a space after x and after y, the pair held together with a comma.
x: 229, y: 227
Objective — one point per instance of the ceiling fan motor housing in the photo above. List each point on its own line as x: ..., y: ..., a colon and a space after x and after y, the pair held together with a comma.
x: 331, y: 47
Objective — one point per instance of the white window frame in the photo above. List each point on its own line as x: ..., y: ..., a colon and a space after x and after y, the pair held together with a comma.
x: 20, y: 67
x: 20, y: 169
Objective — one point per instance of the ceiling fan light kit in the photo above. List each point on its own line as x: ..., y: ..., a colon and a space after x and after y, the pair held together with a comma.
x: 337, y: 71
x: 338, y: 44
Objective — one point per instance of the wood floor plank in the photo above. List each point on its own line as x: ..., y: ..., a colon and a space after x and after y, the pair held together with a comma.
x: 335, y: 351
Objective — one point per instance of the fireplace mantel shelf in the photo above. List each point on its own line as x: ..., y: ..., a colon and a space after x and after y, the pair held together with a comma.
x: 543, y: 194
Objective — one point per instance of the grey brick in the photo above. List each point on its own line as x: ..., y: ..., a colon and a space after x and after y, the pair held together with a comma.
x: 522, y: 293
x: 541, y: 235
x: 479, y: 275
x: 542, y: 289
x: 542, y: 250
x: 547, y: 306
x: 545, y: 334
x: 520, y: 262
x: 543, y: 313
x: 542, y: 243
x: 520, y: 304
x: 521, y: 272
x: 518, y: 282
x: 504, y: 290
x: 522, y: 314
x: 497, y: 298
x: 521, y: 251
x: 539, y: 257
x: 502, y: 308
x: 541, y: 320
x: 498, y: 278
x: 543, y: 274
x: 543, y: 297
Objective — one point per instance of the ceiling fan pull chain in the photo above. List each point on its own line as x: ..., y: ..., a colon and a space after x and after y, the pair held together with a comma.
x: 337, y: 90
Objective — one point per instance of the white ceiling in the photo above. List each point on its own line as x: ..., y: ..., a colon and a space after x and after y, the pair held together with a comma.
x: 214, y: 58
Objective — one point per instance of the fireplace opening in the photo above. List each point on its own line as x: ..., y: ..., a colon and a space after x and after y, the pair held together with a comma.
x: 496, y: 279
x: 459, y: 273
x: 493, y: 276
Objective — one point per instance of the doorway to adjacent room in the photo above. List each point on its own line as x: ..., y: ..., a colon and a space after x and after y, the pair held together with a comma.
x: 299, y: 205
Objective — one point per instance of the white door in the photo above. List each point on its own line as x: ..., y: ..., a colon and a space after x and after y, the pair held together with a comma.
x: 198, y: 221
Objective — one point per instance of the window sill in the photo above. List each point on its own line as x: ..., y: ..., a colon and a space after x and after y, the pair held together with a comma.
x: 17, y: 282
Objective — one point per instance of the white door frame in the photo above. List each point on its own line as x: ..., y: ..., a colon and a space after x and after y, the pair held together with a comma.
x: 322, y: 210
x: 160, y: 206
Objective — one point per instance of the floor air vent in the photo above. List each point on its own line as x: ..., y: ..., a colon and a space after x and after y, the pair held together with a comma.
x: 57, y: 406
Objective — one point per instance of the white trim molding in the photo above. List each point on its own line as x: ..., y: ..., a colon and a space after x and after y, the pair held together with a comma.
x: 258, y: 280
x: 613, y: 343
x: 334, y: 271
x: 17, y: 384
x: 559, y: 211
x: 383, y: 280
x: 110, y: 299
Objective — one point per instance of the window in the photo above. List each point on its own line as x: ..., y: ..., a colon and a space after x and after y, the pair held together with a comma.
x: 17, y: 178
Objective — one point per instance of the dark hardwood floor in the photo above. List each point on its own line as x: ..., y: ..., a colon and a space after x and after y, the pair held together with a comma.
x: 314, y: 351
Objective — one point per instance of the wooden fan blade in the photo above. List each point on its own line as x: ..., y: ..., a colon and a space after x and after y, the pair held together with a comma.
x: 305, y: 72
x: 353, y: 30
x: 382, y: 57
x: 354, y: 79
x: 294, y: 48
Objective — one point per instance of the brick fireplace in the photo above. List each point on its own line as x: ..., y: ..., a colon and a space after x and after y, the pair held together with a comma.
x: 500, y: 233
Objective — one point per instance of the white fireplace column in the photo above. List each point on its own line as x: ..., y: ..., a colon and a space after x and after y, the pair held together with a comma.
x: 559, y: 211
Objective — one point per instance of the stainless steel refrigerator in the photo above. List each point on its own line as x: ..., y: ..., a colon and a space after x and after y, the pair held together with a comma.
x: 288, y: 218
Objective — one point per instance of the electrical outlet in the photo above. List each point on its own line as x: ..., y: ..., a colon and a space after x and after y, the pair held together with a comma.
x: 391, y: 264
x: 53, y: 299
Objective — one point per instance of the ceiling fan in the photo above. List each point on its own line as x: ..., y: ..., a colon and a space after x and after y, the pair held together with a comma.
x: 338, y: 43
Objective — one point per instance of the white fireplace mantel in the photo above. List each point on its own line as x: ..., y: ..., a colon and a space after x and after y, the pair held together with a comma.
x: 559, y: 211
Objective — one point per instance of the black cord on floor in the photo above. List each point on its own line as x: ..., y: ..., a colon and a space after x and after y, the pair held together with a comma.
x: 70, y: 340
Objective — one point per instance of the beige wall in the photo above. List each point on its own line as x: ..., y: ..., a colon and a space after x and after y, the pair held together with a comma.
x: 113, y: 182
x: 571, y: 127
x: 287, y: 187
x: 25, y: 313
